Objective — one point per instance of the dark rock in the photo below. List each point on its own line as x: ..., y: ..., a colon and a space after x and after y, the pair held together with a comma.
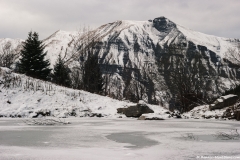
x: 167, y: 112
x: 154, y: 118
x: 208, y: 117
x: 8, y: 102
x: 43, y: 112
x: 237, y: 115
x: 121, y: 110
x: 96, y: 115
x: 224, y: 101
x: 231, y: 113
x: 149, y: 118
x: 135, y: 111
x: 12, y: 116
x: 176, y: 114
x: 162, y: 24
x: 73, y: 113
x: 230, y: 99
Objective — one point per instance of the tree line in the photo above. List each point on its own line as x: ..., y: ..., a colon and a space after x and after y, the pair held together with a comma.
x: 33, y: 63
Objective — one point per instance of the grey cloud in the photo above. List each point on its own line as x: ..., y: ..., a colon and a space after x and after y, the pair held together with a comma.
x: 216, y: 17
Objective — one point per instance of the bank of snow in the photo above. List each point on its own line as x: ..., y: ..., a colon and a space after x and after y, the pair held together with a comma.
x: 23, y: 96
x: 203, y: 112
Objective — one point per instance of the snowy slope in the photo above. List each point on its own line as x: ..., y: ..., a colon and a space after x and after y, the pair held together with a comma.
x: 118, y: 39
x: 58, y: 43
x: 148, y: 30
x: 27, y: 97
x: 216, y: 44
x: 13, y: 42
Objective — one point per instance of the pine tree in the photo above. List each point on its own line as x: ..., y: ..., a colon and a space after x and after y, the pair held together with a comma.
x: 92, y: 76
x: 32, y: 61
x: 61, y: 72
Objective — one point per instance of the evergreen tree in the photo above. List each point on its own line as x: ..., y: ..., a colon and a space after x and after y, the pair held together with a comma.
x: 61, y: 72
x: 32, y: 61
x: 92, y: 76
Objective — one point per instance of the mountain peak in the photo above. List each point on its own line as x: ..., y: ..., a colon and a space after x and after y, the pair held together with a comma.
x: 163, y: 24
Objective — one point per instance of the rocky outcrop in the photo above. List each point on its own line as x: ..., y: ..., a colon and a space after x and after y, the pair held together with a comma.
x: 176, y: 114
x: 224, y: 101
x: 229, y: 113
x: 150, y: 118
x: 232, y: 113
x: 135, y: 111
x: 237, y: 114
x: 42, y: 112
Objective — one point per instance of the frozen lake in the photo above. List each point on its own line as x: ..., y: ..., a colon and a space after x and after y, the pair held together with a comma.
x: 101, y: 138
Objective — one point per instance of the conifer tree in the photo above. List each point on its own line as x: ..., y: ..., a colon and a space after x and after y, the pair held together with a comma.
x: 92, y: 76
x: 32, y: 61
x: 61, y: 72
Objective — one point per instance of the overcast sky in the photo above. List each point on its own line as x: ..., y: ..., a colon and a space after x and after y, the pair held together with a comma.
x: 18, y: 17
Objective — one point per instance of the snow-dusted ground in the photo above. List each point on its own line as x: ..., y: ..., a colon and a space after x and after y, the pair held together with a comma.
x: 101, y: 138
x: 201, y: 112
x: 27, y: 97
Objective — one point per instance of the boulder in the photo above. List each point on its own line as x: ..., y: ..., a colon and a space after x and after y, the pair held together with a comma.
x: 224, y: 101
x: 121, y: 110
x: 228, y: 113
x: 237, y: 114
x: 142, y: 118
x: 176, y: 114
x: 42, y: 112
x: 135, y: 111
x: 96, y: 115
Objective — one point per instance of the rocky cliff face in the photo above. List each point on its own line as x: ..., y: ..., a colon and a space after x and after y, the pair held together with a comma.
x: 132, y: 50
x: 137, y: 47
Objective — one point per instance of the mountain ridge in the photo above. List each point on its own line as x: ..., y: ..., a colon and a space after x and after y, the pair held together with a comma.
x: 132, y: 45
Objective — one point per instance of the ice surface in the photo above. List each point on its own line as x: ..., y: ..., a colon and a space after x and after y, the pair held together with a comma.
x: 88, y: 138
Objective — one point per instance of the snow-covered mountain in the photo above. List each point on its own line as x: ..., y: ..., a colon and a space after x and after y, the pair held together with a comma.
x: 132, y: 45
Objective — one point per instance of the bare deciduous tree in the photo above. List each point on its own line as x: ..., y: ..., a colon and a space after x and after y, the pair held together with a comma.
x: 8, y: 55
x: 80, y: 50
x: 233, y: 55
x: 184, y: 76
x: 232, y: 59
